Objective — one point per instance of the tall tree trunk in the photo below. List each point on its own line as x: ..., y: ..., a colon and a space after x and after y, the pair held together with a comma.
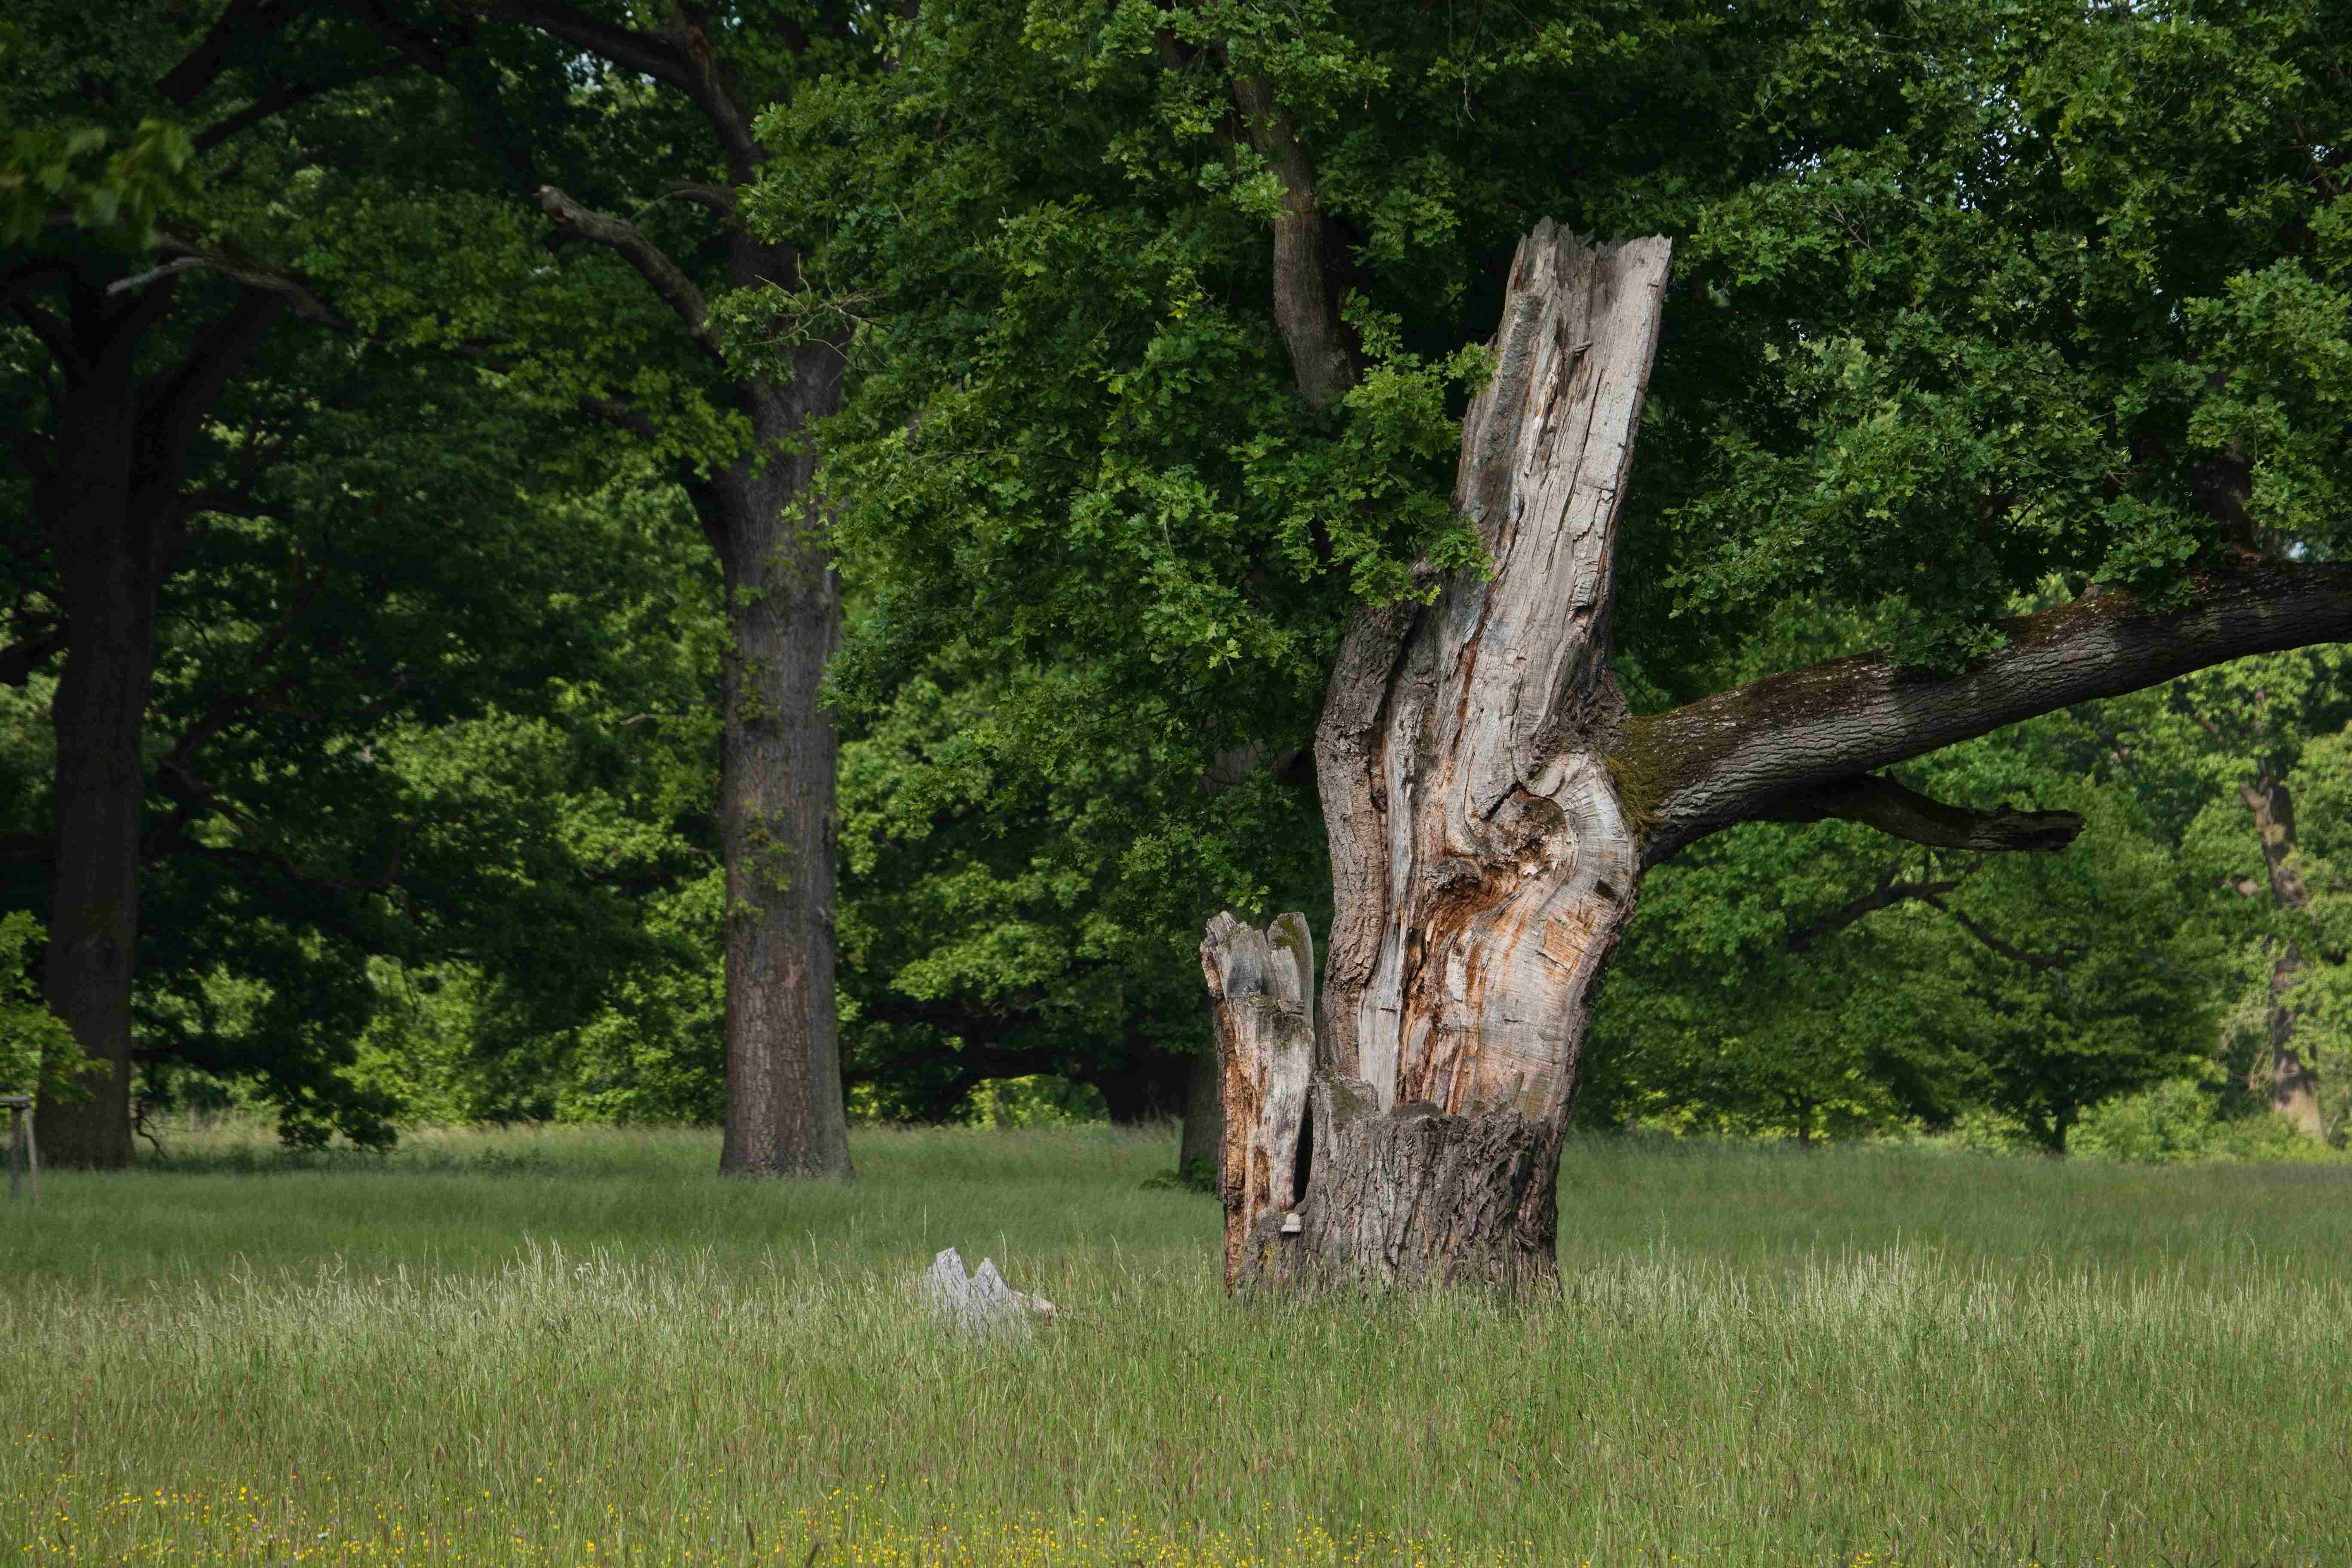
x: 2295, y: 1081
x: 110, y: 500
x: 99, y: 712
x: 785, y: 1114
x: 1483, y: 865
x: 1152, y: 1082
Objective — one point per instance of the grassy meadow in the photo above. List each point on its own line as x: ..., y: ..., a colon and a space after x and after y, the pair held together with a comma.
x: 580, y: 1347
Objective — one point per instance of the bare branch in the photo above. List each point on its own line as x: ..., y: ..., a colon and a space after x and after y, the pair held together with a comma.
x: 195, y: 256
x: 156, y: 274
x: 652, y: 263
x: 1885, y: 895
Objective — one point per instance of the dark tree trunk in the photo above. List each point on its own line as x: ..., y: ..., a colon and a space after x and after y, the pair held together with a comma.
x: 1153, y: 1083
x: 785, y: 1114
x: 99, y: 711
x: 110, y: 502
x: 2294, y: 1078
x: 1202, y: 1142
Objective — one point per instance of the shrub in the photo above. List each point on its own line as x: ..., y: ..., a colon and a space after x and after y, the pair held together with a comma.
x: 37, y: 1051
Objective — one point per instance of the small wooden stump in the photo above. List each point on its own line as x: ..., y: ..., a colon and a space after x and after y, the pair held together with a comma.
x: 24, y: 1150
x: 1262, y: 983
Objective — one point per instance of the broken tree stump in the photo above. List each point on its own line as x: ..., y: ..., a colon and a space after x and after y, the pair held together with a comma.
x: 1262, y: 985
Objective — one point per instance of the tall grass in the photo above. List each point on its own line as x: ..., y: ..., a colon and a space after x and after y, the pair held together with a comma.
x: 582, y: 1348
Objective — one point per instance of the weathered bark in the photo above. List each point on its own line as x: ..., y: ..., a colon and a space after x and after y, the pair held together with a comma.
x: 1482, y: 865
x: 785, y: 1113
x: 2294, y: 1080
x: 1262, y: 988
x: 1905, y: 813
x: 1491, y: 812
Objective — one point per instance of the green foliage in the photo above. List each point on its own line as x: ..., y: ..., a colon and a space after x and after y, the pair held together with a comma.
x: 1195, y: 1176
x: 1074, y: 442
x: 1973, y: 307
x: 2175, y: 1121
x: 37, y: 1051
x: 1022, y: 873
x: 117, y: 188
x: 2036, y: 986
x: 2080, y: 307
x: 421, y: 606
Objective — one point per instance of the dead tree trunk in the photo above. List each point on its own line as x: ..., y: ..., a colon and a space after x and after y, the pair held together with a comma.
x: 1491, y: 810
x: 1262, y: 983
x: 1484, y: 864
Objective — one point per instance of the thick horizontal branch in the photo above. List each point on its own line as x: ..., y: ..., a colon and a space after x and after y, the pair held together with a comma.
x: 646, y: 54
x: 1742, y: 753
x: 1878, y: 801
